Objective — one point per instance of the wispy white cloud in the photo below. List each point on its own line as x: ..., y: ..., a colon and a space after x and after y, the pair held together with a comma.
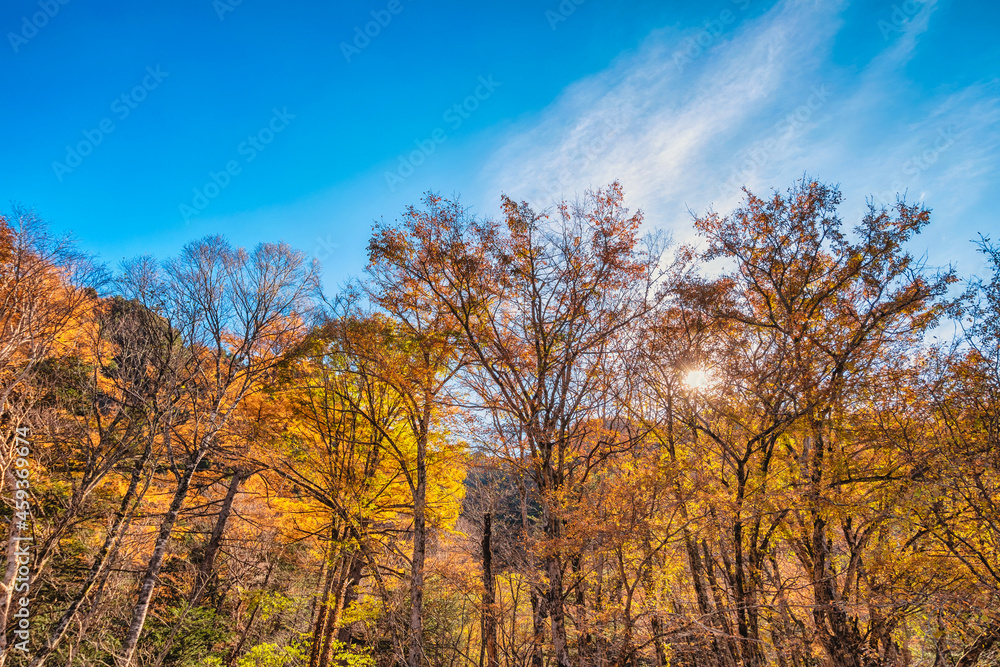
x: 672, y: 134
x: 761, y: 104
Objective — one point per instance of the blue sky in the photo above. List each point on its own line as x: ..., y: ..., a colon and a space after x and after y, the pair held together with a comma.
x: 140, y: 127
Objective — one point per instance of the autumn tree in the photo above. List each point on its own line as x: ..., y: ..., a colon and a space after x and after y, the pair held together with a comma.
x: 417, y: 353
x: 811, y: 315
x: 961, y: 514
x: 113, y: 423
x: 520, y: 441
x: 542, y: 309
x: 230, y: 313
x: 352, y: 449
x: 46, y: 286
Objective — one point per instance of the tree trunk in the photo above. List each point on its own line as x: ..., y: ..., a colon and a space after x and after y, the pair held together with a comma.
x: 841, y: 644
x: 415, y: 657
x: 117, y: 529
x: 537, y: 600
x: 537, y: 627
x: 156, y: 561
x: 584, y: 637
x: 319, y: 631
x: 656, y: 624
x: 350, y: 595
x: 557, y: 615
x: 745, y: 580
x: 206, y: 570
x: 349, y: 564
x: 489, y: 625
x: 730, y: 654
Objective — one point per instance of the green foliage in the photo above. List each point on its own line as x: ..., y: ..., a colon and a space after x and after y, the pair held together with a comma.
x: 271, y: 604
x: 201, y: 630
x: 346, y: 655
x: 272, y: 655
x: 365, y: 610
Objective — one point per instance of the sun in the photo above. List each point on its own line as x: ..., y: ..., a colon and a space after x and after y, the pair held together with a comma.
x: 697, y: 379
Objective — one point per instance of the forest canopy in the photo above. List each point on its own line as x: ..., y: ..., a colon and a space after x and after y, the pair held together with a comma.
x: 547, y: 438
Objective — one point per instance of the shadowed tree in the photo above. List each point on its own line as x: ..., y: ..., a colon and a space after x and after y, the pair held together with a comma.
x: 44, y: 296
x: 235, y: 312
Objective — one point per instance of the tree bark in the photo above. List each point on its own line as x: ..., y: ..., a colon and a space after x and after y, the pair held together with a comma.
x: 729, y: 652
x: 350, y: 596
x: 319, y: 630
x: 489, y: 625
x: 980, y: 646
x: 537, y: 627
x: 156, y: 561
x: 350, y: 567
x: 205, y: 571
x: 841, y: 644
x: 207, y: 568
x: 557, y: 614
x: 415, y: 657
x: 122, y: 518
